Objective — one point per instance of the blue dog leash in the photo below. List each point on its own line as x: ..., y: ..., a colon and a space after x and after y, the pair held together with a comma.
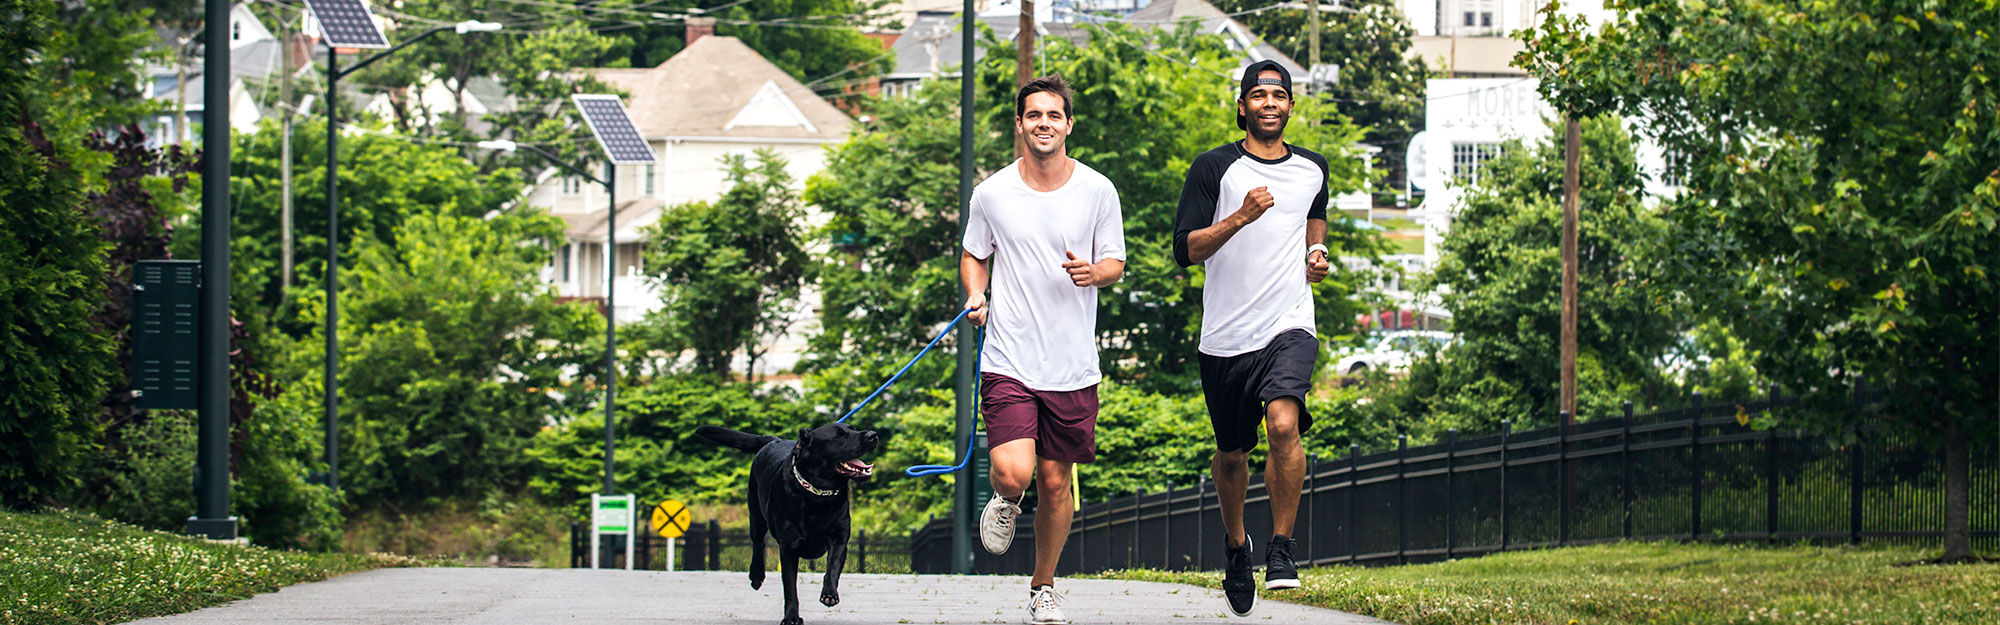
x: 932, y: 469
x: 941, y: 469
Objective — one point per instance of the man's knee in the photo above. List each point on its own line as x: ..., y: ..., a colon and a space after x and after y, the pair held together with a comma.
x: 1232, y: 457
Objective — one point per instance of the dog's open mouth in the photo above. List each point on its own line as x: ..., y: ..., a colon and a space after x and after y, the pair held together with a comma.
x: 855, y: 468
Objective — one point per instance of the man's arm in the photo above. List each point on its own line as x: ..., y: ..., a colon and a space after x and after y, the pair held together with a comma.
x: 1317, y: 265
x: 1204, y: 242
x: 972, y: 272
x: 1197, y: 209
x: 1100, y: 274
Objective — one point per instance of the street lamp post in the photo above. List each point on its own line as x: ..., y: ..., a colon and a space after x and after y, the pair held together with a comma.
x: 333, y: 74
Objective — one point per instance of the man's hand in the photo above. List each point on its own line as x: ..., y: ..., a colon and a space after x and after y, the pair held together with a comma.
x: 1255, y: 203
x: 1316, y: 266
x: 976, y: 304
x: 1080, y: 273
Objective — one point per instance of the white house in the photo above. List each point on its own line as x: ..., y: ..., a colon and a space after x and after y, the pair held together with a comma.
x: 716, y: 97
x: 1466, y: 120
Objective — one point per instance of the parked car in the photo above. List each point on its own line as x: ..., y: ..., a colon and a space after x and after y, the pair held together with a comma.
x: 1393, y: 351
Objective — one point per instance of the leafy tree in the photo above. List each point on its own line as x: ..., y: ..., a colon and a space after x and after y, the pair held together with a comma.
x: 1500, y: 275
x: 94, y: 56
x: 56, y: 361
x: 1841, y: 200
x: 1380, y: 87
x: 453, y: 355
x: 730, y: 271
x: 1148, y: 101
x: 385, y: 179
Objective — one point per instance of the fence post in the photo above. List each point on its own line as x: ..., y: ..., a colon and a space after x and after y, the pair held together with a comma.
x: 861, y: 553
x: 1450, y: 492
x: 1312, y: 531
x: 1137, y: 513
x: 1562, y: 477
x: 1854, y: 488
x: 1771, y: 470
x: 1167, y: 529
x: 714, y: 545
x: 1353, y: 479
x: 1625, y: 457
x: 1402, y: 501
x: 575, y: 553
x: 1694, y: 470
x: 1506, y: 430
x: 1201, y: 520
x: 645, y: 549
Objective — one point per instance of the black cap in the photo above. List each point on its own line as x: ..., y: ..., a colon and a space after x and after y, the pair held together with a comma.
x: 1250, y: 81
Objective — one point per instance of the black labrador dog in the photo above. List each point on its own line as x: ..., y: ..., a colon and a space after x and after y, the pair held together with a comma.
x: 798, y: 494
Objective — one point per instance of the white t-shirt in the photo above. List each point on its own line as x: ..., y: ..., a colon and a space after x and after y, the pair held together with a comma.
x: 1041, y: 328
x: 1256, y: 287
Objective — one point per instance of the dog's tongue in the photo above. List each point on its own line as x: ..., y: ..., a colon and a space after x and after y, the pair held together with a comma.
x: 858, y: 465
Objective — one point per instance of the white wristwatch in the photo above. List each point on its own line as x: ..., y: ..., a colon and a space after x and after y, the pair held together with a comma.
x: 1317, y: 247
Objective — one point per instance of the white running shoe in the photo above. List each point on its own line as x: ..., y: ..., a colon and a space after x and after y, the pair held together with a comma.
x: 1045, y: 608
x: 996, y: 525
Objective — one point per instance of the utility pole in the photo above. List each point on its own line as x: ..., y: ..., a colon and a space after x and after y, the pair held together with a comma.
x: 1024, y: 63
x: 1312, y: 53
x: 285, y: 112
x: 1572, y: 158
x: 968, y: 338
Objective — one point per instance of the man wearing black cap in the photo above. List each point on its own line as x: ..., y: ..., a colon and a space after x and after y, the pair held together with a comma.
x: 1253, y: 212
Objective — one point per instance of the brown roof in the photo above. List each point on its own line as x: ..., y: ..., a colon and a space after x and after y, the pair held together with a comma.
x: 699, y: 90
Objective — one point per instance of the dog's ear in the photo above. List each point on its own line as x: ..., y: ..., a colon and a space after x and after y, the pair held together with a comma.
x: 804, y: 433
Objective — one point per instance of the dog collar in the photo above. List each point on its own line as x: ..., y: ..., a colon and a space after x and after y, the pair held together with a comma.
x: 808, y: 485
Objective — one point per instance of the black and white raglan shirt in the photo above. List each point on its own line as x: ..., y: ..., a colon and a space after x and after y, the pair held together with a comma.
x: 1256, y: 286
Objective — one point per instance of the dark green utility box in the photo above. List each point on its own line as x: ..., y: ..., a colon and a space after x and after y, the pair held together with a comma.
x: 166, y: 335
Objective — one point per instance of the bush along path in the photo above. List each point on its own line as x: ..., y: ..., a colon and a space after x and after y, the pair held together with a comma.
x: 62, y: 567
x: 1670, y: 583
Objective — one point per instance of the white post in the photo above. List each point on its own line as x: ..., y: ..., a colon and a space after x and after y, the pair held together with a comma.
x: 596, y: 551
x: 631, y: 529
x: 670, y: 555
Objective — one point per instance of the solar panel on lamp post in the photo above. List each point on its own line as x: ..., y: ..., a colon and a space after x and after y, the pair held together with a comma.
x: 348, y: 24
x: 619, y: 137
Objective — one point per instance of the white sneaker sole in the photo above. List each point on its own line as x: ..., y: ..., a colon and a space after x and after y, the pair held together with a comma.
x: 1280, y: 584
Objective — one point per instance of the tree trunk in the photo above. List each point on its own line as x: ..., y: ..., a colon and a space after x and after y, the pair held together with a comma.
x: 1957, y: 475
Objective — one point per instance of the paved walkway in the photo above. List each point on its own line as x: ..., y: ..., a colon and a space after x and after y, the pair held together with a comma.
x: 537, y: 596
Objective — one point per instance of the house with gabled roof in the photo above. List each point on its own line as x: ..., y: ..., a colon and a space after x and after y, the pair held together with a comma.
x: 715, y: 98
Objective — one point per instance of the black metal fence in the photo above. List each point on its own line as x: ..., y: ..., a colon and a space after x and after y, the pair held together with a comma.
x: 708, y: 547
x: 1693, y: 473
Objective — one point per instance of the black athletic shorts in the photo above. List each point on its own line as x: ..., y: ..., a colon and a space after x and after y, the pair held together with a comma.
x: 1237, y: 387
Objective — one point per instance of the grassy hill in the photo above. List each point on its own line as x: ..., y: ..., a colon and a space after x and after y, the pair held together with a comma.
x: 64, y: 567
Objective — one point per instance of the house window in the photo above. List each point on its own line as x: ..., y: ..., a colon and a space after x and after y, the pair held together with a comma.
x: 572, y: 185
x: 562, y: 262
x: 1486, y: 19
x: 651, y: 175
x: 236, y: 31
x: 1468, y: 158
x: 1468, y: 18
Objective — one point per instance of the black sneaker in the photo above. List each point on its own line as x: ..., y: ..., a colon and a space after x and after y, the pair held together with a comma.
x: 1239, y: 584
x: 1279, y: 571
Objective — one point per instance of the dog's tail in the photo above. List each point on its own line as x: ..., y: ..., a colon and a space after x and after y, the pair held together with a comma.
x: 732, y: 438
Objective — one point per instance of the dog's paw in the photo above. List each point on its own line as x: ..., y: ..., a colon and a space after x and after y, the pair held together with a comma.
x: 829, y: 598
x: 792, y: 620
x: 756, y: 581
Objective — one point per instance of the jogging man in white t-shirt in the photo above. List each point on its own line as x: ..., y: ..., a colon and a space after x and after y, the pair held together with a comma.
x: 1254, y: 213
x: 1051, y: 229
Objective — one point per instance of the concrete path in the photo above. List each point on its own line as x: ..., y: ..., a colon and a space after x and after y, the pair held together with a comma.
x: 537, y: 596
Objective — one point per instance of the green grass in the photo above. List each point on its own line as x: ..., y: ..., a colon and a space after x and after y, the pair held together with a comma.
x: 65, y: 567
x: 1669, y: 583
x: 1404, y: 245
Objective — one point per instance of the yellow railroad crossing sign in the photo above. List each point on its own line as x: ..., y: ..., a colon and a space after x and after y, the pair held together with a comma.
x: 671, y: 519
